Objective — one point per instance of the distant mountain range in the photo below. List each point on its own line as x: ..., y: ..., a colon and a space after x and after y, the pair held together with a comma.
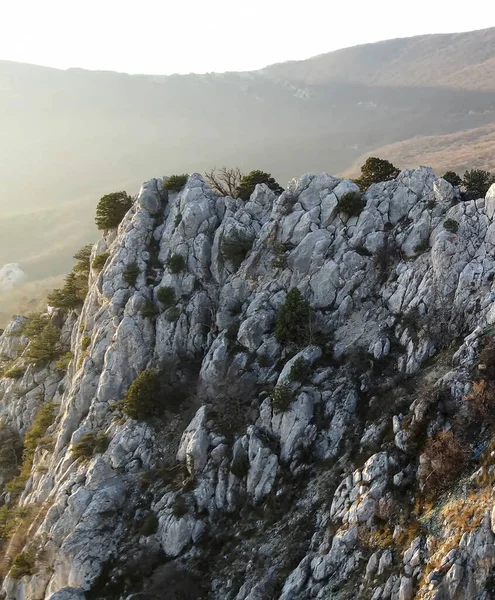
x: 71, y: 136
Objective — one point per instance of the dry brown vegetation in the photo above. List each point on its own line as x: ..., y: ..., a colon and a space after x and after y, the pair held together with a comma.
x: 17, y: 528
x: 473, y: 148
x: 445, y: 457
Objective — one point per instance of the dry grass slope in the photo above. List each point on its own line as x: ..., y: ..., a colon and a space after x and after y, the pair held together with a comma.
x: 474, y: 148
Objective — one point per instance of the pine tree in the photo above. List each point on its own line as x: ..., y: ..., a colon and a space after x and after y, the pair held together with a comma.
x: 477, y: 182
x: 376, y: 170
x: 251, y: 180
x: 111, y: 210
x: 452, y: 178
x: 293, y: 323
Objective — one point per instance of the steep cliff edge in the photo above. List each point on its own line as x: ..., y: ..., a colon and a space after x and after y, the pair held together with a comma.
x: 330, y: 444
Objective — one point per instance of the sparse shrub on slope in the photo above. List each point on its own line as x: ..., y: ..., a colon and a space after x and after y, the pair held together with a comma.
x: 252, y: 179
x: 175, y: 263
x: 75, y: 288
x: 452, y: 178
x: 444, y: 459
x: 235, y: 246
x: 166, y: 296
x: 282, y: 397
x: 111, y: 210
x: 240, y: 466
x: 14, y: 372
x: 100, y: 260
x: 451, y: 225
x: 293, y: 324
x: 24, y: 564
x: 149, y: 525
x: 300, y: 371
x: 131, y: 273
x: 90, y: 444
x: 34, y: 325
x: 144, y: 397
x: 10, y: 452
x: 34, y: 437
x: 351, y: 204
x: 232, y: 331
x: 45, y: 346
x: 376, y: 170
x: 63, y: 362
x: 175, y: 183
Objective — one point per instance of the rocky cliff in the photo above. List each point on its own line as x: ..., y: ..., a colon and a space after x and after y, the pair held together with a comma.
x: 335, y: 443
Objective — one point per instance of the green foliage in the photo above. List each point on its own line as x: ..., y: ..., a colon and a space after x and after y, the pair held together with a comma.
x: 90, y: 444
x: 236, y: 308
x: 111, y: 210
x: 24, y: 564
x: 293, y: 324
x: 166, y: 296
x: 376, y: 170
x: 235, y: 247
x: 131, y: 273
x: 240, y: 466
x: 34, y: 325
x: 282, y: 397
x: 252, y: 179
x: 351, y: 204
x: 144, y: 397
x: 300, y: 371
x: 422, y: 247
x: 14, y: 372
x: 83, y: 257
x: 175, y: 263
x: 175, y: 183
x: 63, y: 362
x: 477, y: 182
x: 263, y: 360
x: 150, y: 310
x: 179, y: 508
x: 232, y: 331
x: 34, y: 436
x: 452, y: 178
x: 178, y: 219
x: 75, y: 287
x: 280, y: 260
x: 150, y: 525
x: 85, y: 342
x: 451, y: 225
x: 100, y: 260
x: 173, y: 314
x: 45, y: 346
x: 10, y: 452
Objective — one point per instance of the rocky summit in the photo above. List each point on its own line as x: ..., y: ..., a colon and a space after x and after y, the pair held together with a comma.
x: 262, y: 399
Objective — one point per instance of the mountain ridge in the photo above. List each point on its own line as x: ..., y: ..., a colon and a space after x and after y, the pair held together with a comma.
x: 72, y: 135
x: 311, y: 391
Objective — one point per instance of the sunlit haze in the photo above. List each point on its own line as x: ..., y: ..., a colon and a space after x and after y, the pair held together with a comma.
x: 219, y: 35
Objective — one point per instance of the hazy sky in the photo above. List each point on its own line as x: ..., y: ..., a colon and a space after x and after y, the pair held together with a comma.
x: 183, y: 36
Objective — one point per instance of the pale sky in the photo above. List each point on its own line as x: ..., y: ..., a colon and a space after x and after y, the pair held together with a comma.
x: 184, y: 36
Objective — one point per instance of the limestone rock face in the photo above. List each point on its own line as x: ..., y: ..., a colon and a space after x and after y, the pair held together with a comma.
x: 268, y: 468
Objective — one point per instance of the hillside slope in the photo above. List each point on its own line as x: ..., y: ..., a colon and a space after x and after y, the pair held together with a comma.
x: 453, y: 60
x: 70, y: 136
x: 334, y: 441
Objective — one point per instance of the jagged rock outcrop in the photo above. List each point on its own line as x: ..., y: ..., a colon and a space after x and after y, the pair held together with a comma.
x: 260, y: 480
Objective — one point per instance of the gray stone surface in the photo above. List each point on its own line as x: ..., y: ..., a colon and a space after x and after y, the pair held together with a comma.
x: 382, y: 286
